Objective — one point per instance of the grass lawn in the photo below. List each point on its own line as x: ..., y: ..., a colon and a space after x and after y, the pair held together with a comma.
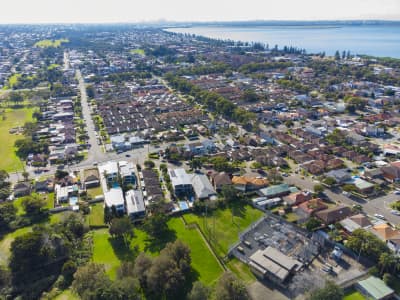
x: 222, y: 228
x: 138, y: 51
x: 13, y: 118
x: 103, y: 252
x: 111, y: 252
x: 203, y: 262
x: 49, y: 202
x: 241, y: 270
x: 67, y: 295
x: 353, y: 295
x: 291, y: 217
x: 96, y: 216
x: 93, y: 192
x: 6, y: 241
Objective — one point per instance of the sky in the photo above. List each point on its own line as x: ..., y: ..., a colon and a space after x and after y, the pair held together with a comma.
x: 107, y: 11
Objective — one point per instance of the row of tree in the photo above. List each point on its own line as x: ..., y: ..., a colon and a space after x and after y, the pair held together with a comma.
x: 213, y: 101
x: 167, y: 276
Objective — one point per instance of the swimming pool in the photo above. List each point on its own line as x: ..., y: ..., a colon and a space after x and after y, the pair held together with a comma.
x: 183, y: 205
x: 73, y: 201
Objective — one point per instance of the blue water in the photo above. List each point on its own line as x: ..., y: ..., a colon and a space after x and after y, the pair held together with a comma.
x: 377, y: 40
x: 183, y: 205
x: 73, y: 201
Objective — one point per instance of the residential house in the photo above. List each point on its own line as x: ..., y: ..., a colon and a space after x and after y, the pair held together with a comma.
x: 295, y: 199
x: 355, y: 222
x: 389, y: 235
x: 22, y: 189
x: 181, y: 182
x: 274, y: 191
x: 248, y: 183
x: 364, y: 187
x: 341, y: 175
x: 202, y: 186
x: 391, y: 173
x: 333, y: 215
x: 127, y: 173
x: 135, y: 207
x: 220, y: 179
x: 110, y: 171
x: 312, y: 206
x: 114, y: 197
x: 91, y: 178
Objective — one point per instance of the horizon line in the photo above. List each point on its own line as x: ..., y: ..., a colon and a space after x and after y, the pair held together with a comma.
x: 161, y: 21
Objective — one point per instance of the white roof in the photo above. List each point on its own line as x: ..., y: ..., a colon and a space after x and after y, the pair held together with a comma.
x: 114, y: 197
x: 126, y: 169
x: 179, y: 177
x: 110, y: 167
x: 134, y: 202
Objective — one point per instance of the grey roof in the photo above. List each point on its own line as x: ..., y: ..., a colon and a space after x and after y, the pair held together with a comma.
x: 202, y: 186
x: 275, y: 190
x: 275, y: 262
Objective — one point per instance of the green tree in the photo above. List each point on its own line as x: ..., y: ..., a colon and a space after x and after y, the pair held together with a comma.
x: 156, y: 225
x: 230, y: 194
x: 250, y: 95
x: 330, y: 292
x: 121, y: 228
x: 318, y: 188
x: 88, y: 279
x: 67, y: 271
x: 149, y: 164
x: 367, y: 244
x: 140, y: 270
x: 16, y: 97
x: 312, y: 224
x: 229, y: 287
x: 33, y: 204
x: 387, y: 262
x: 199, y: 291
x: 195, y: 163
x: 8, y: 213
x: 4, y: 185
x: 329, y: 181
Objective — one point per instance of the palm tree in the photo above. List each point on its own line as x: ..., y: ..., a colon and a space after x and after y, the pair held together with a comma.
x: 386, y: 261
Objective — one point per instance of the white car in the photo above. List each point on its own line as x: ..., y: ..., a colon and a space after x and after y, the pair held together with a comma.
x: 395, y: 212
x: 379, y: 216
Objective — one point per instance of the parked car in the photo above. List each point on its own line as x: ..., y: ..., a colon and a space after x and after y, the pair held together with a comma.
x: 379, y: 216
x: 395, y: 212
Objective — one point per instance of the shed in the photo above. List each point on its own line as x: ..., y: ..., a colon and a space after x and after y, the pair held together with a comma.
x: 375, y: 288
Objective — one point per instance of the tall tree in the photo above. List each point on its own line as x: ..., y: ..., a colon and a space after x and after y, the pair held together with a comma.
x: 8, y: 213
x: 229, y: 287
x: 330, y: 292
x: 121, y: 228
x: 199, y: 291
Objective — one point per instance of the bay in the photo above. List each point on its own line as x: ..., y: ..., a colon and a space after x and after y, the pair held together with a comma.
x: 381, y: 40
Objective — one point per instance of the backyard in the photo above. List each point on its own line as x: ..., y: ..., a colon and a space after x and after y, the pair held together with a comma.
x: 12, y: 118
x: 353, y: 295
x: 223, y: 226
x: 111, y: 252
